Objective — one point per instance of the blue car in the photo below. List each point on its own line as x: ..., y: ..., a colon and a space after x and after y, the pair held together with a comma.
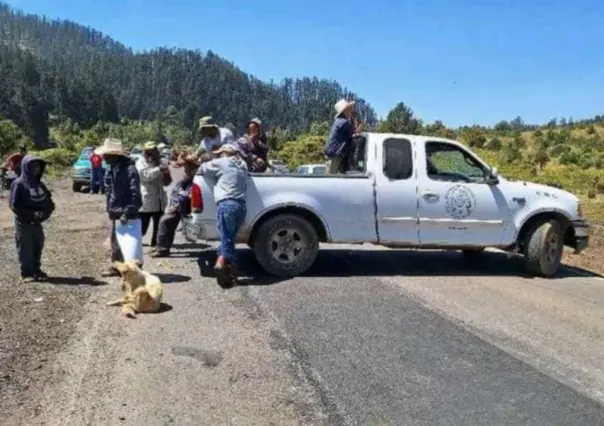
x: 81, y: 170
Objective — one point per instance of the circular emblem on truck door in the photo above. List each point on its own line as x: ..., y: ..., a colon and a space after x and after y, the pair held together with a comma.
x: 460, y: 202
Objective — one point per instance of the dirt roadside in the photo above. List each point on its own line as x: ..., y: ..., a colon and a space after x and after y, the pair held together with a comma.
x: 36, y: 320
x: 67, y: 359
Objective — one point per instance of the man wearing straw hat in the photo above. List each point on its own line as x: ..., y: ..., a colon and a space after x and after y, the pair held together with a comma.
x: 213, y: 136
x: 339, y: 142
x: 123, y: 193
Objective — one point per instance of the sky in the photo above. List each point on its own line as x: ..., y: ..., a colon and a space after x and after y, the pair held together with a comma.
x: 459, y: 61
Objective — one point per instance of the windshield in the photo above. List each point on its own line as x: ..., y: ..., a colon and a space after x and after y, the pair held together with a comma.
x: 85, y: 154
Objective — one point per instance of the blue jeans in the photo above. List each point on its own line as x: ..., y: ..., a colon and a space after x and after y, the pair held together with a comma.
x: 96, y: 179
x: 229, y: 218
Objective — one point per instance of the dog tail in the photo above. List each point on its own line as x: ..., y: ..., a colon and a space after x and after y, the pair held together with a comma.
x: 117, y: 302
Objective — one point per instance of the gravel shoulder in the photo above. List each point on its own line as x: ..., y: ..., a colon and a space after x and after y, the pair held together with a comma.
x: 36, y: 320
x: 209, y: 358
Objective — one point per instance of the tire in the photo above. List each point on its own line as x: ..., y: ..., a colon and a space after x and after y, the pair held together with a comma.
x: 543, y: 248
x: 76, y: 187
x: 299, y: 238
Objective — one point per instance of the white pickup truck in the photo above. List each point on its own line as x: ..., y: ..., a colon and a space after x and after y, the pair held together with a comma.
x: 404, y: 191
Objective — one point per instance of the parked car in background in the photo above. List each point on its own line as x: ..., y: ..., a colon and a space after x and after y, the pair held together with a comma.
x: 278, y: 166
x: 311, y: 169
x: 81, y: 170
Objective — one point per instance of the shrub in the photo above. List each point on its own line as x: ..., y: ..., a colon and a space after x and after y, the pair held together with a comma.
x: 57, y: 158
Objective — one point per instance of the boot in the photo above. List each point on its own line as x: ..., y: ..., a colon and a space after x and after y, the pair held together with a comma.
x: 223, y: 278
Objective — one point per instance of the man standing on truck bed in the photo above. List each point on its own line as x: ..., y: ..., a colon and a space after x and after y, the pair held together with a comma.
x: 213, y: 137
x: 339, y: 142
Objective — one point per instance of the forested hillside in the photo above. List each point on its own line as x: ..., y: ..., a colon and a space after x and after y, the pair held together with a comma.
x: 63, y: 69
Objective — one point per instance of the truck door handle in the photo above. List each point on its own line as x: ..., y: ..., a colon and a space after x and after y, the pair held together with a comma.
x: 429, y: 195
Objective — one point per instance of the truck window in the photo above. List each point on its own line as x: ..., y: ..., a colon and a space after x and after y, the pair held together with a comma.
x: 398, y: 159
x: 319, y: 170
x: 448, y: 162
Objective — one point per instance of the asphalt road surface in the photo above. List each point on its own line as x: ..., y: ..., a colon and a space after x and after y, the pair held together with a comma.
x: 368, y: 336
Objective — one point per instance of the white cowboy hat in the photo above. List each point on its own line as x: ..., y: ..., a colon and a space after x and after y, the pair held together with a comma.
x: 341, y: 105
x: 111, y: 146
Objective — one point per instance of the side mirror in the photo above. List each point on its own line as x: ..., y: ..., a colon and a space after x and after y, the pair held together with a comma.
x: 491, y: 177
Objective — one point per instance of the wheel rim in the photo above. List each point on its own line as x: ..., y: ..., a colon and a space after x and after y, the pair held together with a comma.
x: 552, y: 248
x: 286, y: 245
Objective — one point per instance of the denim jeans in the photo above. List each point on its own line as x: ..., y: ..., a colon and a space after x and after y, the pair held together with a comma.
x: 96, y: 179
x: 29, y: 239
x: 229, y: 218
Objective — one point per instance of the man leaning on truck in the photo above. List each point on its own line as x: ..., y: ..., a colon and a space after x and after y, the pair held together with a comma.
x: 339, y: 141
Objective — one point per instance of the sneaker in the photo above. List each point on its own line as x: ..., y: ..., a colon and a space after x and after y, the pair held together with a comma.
x: 40, y: 275
x: 27, y: 280
x: 110, y: 272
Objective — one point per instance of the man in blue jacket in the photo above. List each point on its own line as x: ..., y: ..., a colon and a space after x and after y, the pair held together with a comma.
x: 32, y: 204
x: 123, y: 191
x: 339, y: 143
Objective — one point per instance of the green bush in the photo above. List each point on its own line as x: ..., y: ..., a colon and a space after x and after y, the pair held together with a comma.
x: 57, y: 158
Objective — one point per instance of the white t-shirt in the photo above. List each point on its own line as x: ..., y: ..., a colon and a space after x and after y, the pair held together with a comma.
x: 223, y: 136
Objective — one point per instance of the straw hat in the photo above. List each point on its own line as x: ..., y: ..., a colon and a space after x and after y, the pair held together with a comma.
x: 341, y: 106
x: 207, y: 122
x: 149, y: 146
x: 111, y: 146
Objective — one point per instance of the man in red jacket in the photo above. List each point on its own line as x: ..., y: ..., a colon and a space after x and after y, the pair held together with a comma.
x: 96, y: 173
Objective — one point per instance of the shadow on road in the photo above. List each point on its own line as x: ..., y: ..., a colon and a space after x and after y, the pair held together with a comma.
x: 349, y: 263
x: 164, y: 307
x: 75, y: 281
x: 172, y: 278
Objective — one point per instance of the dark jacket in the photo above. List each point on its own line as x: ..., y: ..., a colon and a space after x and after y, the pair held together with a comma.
x: 123, y: 190
x: 30, y: 200
x: 340, y: 138
x: 181, y: 196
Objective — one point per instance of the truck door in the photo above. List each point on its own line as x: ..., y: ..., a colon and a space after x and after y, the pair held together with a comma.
x: 396, y: 196
x: 456, y: 206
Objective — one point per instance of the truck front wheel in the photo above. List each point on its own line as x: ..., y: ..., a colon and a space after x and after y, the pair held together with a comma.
x: 76, y: 187
x: 543, y: 248
x: 286, y: 245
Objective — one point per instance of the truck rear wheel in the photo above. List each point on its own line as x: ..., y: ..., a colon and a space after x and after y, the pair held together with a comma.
x: 286, y: 245
x: 543, y: 248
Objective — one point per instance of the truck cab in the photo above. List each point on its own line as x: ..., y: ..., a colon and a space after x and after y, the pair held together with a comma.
x: 406, y: 191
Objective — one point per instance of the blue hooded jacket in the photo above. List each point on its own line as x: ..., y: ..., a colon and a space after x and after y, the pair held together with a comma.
x: 30, y: 200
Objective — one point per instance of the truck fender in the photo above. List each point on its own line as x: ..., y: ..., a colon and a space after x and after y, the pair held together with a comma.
x: 540, y: 214
x: 316, y: 219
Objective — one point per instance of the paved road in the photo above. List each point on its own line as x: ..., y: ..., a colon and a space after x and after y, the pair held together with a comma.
x: 368, y: 336
x: 424, y: 338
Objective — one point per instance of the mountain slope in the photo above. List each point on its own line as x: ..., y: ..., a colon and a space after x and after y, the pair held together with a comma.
x: 80, y: 73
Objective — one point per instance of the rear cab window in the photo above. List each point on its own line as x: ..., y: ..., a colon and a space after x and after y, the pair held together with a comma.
x: 397, y: 159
